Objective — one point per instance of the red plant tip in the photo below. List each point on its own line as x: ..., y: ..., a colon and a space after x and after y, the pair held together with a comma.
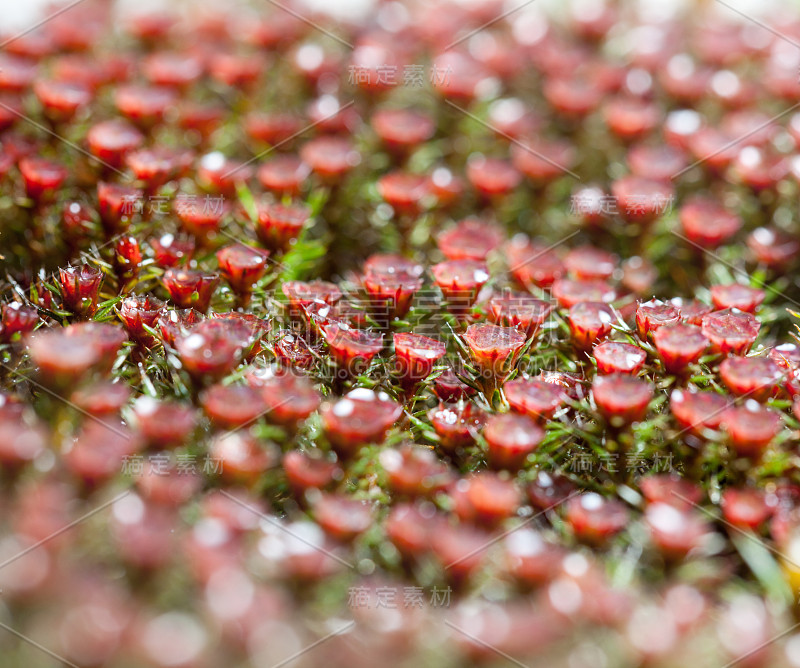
x: 520, y: 310
x: 416, y: 356
x: 272, y: 128
x: 284, y: 175
x: 17, y: 321
x: 698, y: 411
x: 543, y: 161
x: 218, y: 174
x: 494, y: 349
x: 756, y: 377
x: 172, y: 68
x: 391, y: 281
x: 352, y: 349
x: 190, y: 288
x: 692, y: 310
x: 118, y: 204
x: 485, y: 498
x: 456, y: 425
x: 620, y: 398
x: 302, y: 294
x: 402, y: 129
x: 588, y: 263
x: 360, y: 417
x: 492, y: 177
x: 536, y: 398
x: 654, y: 162
x: 157, y: 166
x: 414, y: 471
x: 137, y: 313
x: 305, y: 471
x: 211, y: 349
x: 675, y: 531
x: 771, y: 247
x: 164, y: 424
x: 242, y: 266
x: 111, y: 141
x: 127, y: 256
x: 532, y: 264
x: 289, y: 396
x: 330, y: 157
x: 42, y: 178
x: 594, y: 519
x: 679, y: 346
x: 144, y: 105
x: 446, y: 186
x: 232, y: 406
x: 80, y: 287
x: 279, y: 225
x: 242, y: 458
x: 341, y: 517
x: 460, y: 282
x: 469, y: 239
x: 61, y: 100
x: 403, y: 192
x: 671, y: 489
x: 641, y: 201
x: 294, y: 351
x: 731, y: 331
x: 737, y: 296
x: 745, y: 508
x: 450, y: 388
x: 170, y: 250
x: 569, y: 292
x: 589, y: 323
x: 617, y: 357
x: 104, y: 398
x: 64, y: 356
x: 707, y: 223
x: 631, y: 118
x: 654, y: 314
x: 751, y: 427
x: 511, y: 437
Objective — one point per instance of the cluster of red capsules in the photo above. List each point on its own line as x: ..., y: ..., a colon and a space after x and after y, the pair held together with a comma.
x: 362, y: 341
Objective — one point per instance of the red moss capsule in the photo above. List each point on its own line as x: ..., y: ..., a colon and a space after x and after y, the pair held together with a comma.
x: 641, y: 201
x: 62, y: 358
x: 698, y: 411
x: 574, y: 97
x: 416, y: 356
x: 102, y: 398
x: 330, y: 157
x: 157, y: 166
x: 242, y: 266
x: 80, y: 287
x: 456, y: 425
x: 532, y: 264
x: 758, y: 168
x: 731, y: 331
x: 620, y: 398
x: 403, y: 191
x: 520, y: 310
x: 692, y: 310
x: 617, y: 357
x: 279, y: 225
x: 656, y: 162
x: 492, y: 177
x: 745, y: 508
x: 414, y: 471
x: 118, y: 204
x: 707, y: 223
x: 589, y: 323
x: 242, y: 458
x: 543, y: 161
x: 99, y: 450
x: 756, y: 377
x: 306, y: 472
x: 652, y: 315
x: 341, y: 517
x: 127, y: 257
x: 144, y: 105
x: 284, y: 175
x: 272, y: 128
x: 446, y: 186
x: 164, y: 424
x: 232, y: 406
x: 569, y: 292
x: 737, y: 296
x: 494, y: 349
x: 202, y: 119
x: 595, y: 519
x: 535, y: 398
x: 111, y: 141
x: 485, y: 498
x: 42, y: 178
x: 674, y: 531
x: 679, y: 346
x: 511, y: 437
x: 139, y: 312
x: 236, y: 70
x: 61, y: 100
x: 360, y: 417
x: 409, y: 527
x: 289, y: 397
x: 176, y: 323
x: 391, y: 283
x: 17, y: 321
x: 170, y: 250
x: 172, y: 68
x: 211, y: 349
x: 190, y: 288
x: 631, y: 118
x: 751, y: 428
x: 772, y: 247
x: 671, y: 489
x: 549, y: 490
x: 402, y: 129
x: 218, y: 174
x: 16, y: 74
x: 588, y: 262
x: 460, y: 281
x: 469, y: 239
x: 352, y: 349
